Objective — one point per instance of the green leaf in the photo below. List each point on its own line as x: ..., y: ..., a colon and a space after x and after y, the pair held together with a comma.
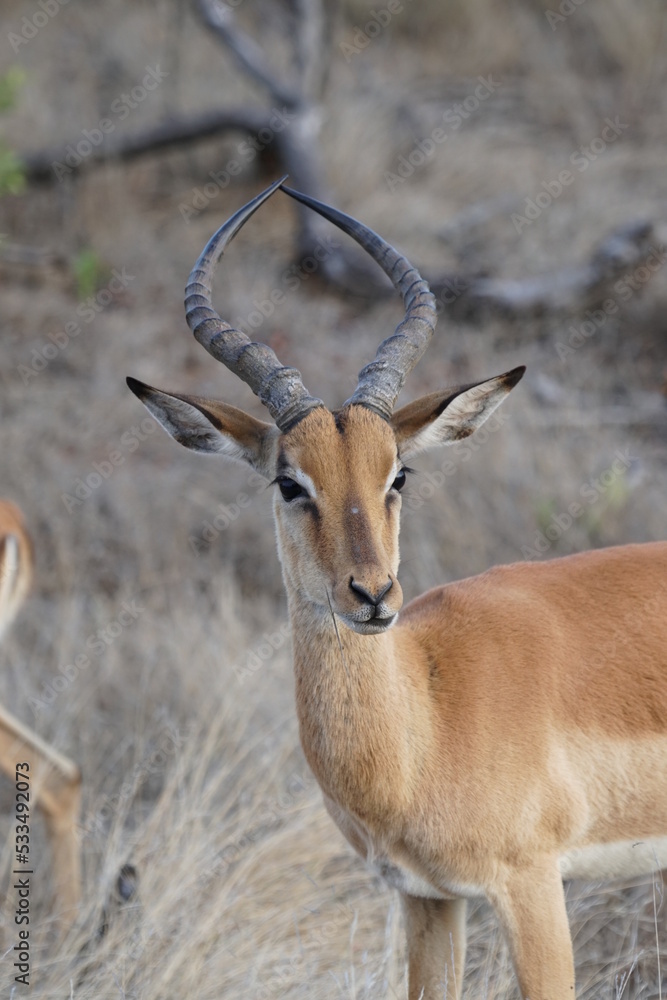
x: 12, y: 177
x: 90, y: 273
x: 10, y: 84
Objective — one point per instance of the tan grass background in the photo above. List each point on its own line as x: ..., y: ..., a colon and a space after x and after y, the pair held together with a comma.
x: 185, y: 733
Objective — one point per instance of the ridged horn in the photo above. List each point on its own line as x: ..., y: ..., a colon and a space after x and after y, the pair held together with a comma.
x: 280, y: 389
x: 381, y: 381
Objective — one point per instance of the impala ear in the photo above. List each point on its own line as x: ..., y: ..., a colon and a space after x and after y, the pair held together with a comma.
x: 450, y: 415
x: 211, y: 427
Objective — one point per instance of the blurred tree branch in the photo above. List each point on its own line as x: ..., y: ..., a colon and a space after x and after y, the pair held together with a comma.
x: 567, y: 290
x: 307, y: 29
x: 176, y: 131
x: 296, y: 145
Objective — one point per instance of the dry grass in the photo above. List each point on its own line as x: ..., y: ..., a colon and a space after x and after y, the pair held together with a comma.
x: 188, y: 745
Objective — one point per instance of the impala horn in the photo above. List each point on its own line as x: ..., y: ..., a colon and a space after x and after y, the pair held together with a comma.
x: 280, y: 389
x: 381, y: 381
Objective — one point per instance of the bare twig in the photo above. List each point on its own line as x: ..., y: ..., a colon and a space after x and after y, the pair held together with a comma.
x: 250, y: 56
x: 340, y: 644
x: 297, y: 146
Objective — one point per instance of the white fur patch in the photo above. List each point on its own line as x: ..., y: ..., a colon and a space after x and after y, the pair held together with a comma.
x: 304, y: 480
x: 624, y: 859
x: 396, y: 468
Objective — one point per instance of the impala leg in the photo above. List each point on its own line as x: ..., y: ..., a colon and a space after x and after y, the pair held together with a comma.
x: 55, y: 787
x: 531, y: 909
x: 436, y: 933
x: 62, y: 812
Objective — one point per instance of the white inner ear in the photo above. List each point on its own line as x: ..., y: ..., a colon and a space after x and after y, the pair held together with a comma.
x: 459, y: 419
x: 188, y: 425
x: 424, y: 439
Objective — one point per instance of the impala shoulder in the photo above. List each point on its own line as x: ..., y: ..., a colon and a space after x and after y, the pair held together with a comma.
x: 511, y: 582
x: 477, y: 617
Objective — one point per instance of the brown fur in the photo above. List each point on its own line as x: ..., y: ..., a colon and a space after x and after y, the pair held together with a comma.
x: 510, y: 729
x: 54, y: 780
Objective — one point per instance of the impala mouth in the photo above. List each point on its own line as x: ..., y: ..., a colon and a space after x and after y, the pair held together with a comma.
x: 372, y: 626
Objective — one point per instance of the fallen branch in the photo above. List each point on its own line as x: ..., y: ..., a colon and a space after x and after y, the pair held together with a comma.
x: 41, y: 167
x: 570, y: 289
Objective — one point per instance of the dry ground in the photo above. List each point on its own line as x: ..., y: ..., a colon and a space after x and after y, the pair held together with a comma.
x: 183, y: 724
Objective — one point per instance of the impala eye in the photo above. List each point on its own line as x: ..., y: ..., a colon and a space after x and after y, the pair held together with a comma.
x: 290, y: 490
x: 399, y: 482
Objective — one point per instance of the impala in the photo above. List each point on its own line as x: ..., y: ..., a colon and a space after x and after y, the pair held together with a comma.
x: 54, y: 781
x: 500, y: 733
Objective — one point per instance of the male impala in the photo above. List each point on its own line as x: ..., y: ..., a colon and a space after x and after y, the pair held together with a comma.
x: 54, y: 781
x: 509, y: 730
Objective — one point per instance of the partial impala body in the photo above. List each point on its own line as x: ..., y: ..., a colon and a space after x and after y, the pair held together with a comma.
x: 497, y: 735
x: 54, y: 780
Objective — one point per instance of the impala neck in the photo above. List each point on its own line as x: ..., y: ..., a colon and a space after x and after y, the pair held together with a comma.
x: 355, y: 711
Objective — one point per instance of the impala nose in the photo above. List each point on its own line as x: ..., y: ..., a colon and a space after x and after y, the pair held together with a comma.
x: 373, y: 599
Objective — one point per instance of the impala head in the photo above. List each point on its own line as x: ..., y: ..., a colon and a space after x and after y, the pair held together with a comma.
x: 337, y: 476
